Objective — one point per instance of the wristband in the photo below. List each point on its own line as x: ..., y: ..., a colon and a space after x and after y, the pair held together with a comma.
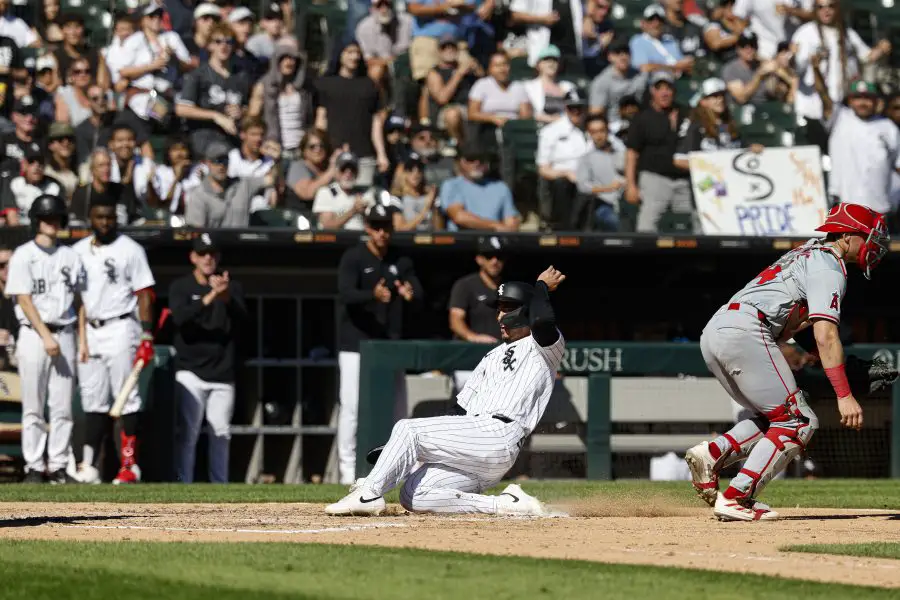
x: 147, y: 326
x: 838, y: 378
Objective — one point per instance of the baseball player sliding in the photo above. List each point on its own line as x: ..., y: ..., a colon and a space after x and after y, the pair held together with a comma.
x: 45, y: 279
x: 502, y: 401
x: 118, y: 293
x: 804, y: 288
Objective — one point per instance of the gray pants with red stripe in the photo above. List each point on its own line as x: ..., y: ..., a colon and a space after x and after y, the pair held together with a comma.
x: 741, y: 352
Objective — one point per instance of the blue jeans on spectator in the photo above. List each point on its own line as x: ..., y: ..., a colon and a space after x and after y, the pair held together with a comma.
x: 605, y: 217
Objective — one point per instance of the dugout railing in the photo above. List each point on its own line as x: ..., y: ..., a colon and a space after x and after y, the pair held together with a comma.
x: 599, y: 362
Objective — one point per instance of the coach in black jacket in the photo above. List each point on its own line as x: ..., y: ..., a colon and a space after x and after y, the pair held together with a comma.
x: 375, y: 287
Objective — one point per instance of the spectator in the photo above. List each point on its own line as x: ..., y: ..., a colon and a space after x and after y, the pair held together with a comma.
x: 423, y: 142
x: 96, y: 130
x: 395, y: 135
x: 213, y: 95
x: 173, y: 179
x: 560, y: 146
x: 286, y: 99
x: 496, y: 99
x: 710, y: 126
x: 629, y: 107
x: 314, y: 170
x: 864, y: 147
x: 845, y: 50
x: 447, y: 86
x: 48, y: 23
x: 473, y: 200
x: 72, y: 104
x: 24, y: 189
x: 470, y: 319
x: 616, y: 81
x: 22, y: 139
x: 147, y: 64
x: 351, y: 110
x: 75, y: 47
x: 770, y: 20
x: 243, y: 60
x: 9, y: 63
x: 546, y: 93
x: 722, y: 32
x: 687, y: 29
x: 46, y: 76
x: 102, y: 189
x: 598, y: 176
x: 892, y: 112
x: 433, y: 21
x: 651, y: 176
x: 219, y: 202
x: 208, y: 311
x: 9, y: 324
x: 61, y: 164
x: 262, y: 45
x: 383, y: 35
x: 597, y: 34
x: 745, y: 75
x: 341, y: 205
x: 114, y: 54
x: 39, y: 92
x: 549, y: 22
x: 420, y: 210
x: 376, y: 284
x: 206, y: 16
x: 13, y: 27
x: 255, y: 158
x: 656, y: 50
x: 129, y: 167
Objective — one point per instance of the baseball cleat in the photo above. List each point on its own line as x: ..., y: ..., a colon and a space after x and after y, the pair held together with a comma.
x: 359, y: 502
x: 85, y: 474
x: 60, y: 477
x: 703, y: 475
x: 34, y: 477
x: 742, y: 510
x: 128, y: 475
x: 514, y: 501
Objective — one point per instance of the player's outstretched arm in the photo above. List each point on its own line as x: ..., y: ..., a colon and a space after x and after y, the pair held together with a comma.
x: 543, y: 319
x: 831, y: 353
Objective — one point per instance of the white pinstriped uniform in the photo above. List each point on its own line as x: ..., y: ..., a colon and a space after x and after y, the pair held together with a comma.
x: 464, y: 455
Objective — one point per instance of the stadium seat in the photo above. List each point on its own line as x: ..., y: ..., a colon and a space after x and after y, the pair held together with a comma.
x: 280, y: 217
x: 519, y: 69
x: 519, y: 148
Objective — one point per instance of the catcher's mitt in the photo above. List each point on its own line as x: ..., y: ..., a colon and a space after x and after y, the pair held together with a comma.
x: 869, y: 376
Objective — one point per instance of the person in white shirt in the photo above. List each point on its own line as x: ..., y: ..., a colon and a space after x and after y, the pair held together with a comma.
x: 16, y: 29
x: 255, y: 158
x: 27, y: 187
x: 843, y: 50
x: 864, y: 146
x: 172, y: 180
x: 340, y: 205
x: 546, y: 93
x: 495, y: 99
x: 545, y: 26
x: 123, y: 28
x: 770, y: 20
x: 561, y: 145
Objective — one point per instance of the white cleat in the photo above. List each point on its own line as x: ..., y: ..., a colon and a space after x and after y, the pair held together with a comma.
x: 703, y: 476
x: 513, y: 501
x: 85, y: 474
x: 746, y: 510
x: 359, y: 502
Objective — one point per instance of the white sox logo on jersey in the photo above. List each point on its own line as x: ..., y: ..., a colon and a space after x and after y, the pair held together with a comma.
x: 110, y: 265
x: 509, y: 359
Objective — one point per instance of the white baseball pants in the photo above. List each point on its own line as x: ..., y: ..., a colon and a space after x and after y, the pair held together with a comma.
x: 46, y: 381
x: 215, y: 400
x: 462, y: 456
x: 111, y: 348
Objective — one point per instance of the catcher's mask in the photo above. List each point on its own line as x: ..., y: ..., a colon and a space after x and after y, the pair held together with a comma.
x: 514, y: 297
x: 856, y: 218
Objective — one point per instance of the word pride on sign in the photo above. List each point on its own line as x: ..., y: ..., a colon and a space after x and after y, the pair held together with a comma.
x: 778, y: 192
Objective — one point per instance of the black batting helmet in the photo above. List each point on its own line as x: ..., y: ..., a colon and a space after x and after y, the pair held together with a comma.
x: 48, y: 206
x: 517, y: 293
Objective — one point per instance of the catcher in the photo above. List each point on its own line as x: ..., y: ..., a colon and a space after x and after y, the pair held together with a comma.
x: 804, y: 288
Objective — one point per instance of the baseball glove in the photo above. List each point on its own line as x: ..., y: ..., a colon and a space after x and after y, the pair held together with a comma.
x: 868, y: 376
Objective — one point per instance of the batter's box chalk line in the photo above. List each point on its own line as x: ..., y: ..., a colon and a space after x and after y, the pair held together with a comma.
x: 345, y: 528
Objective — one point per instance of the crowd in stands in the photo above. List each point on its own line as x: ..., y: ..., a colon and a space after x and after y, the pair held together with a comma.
x: 212, y: 113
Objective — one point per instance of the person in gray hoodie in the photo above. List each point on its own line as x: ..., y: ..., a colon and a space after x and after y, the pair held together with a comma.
x: 220, y: 201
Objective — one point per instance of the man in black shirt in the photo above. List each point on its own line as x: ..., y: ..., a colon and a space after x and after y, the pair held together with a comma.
x: 96, y: 130
x: 213, y: 96
x: 25, y: 119
x: 687, y: 29
x: 207, y: 311
x: 375, y: 285
x: 652, y: 179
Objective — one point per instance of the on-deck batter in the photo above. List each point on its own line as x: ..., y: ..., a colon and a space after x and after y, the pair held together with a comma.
x: 805, y: 287
x: 503, y: 400
x: 118, y: 290
x: 45, y: 279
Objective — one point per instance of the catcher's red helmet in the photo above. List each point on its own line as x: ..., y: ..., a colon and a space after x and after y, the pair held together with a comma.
x: 856, y: 218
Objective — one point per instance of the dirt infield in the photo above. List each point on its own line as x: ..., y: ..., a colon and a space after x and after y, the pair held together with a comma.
x: 682, y: 537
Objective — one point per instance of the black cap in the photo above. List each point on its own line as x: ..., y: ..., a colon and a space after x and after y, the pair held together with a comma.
x: 346, y: 159
x: 747, y: 38
x: 32, y: 152
x: 618, y: 45
x: 70, y: 17
x: 471, y: 152
x: 490, y: 245
x: 273, y: 11
x: 413, y: 159
x: 204, y: 243
x: 25, y: 105
x: 379, y: 213
x: 419, y: 127
x: 395, y: 123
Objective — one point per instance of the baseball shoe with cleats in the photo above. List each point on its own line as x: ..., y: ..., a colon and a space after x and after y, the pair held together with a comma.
x: 128, y: 475
x: 359, y: 502
x: 34, y: 477
x: 703, y: 475
x: 742, y: 510
x: 514, y: 501
x: 60, y: 477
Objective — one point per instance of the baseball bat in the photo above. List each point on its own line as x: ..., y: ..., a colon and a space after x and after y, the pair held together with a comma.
x: 132, y: 380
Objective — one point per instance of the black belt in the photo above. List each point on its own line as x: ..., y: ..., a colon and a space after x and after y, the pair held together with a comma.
x: 98, y: 323
x: 502, y: 418
x: 51, y: 327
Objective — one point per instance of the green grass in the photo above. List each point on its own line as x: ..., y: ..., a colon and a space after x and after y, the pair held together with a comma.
x: 870, y: 549
x: 881, y: 494
x: 200, y: 571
